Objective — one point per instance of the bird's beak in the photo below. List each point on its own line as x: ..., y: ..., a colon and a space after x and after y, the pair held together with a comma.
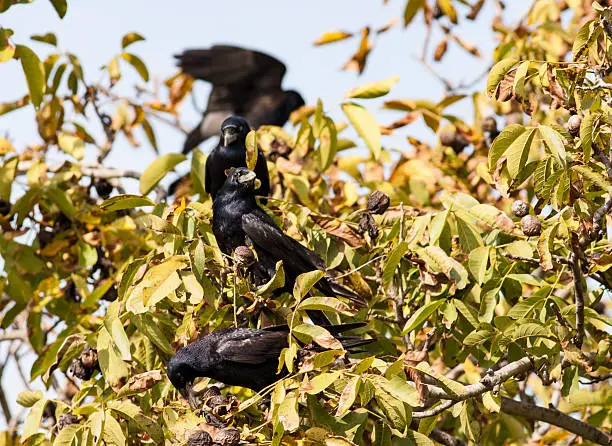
x: 248, y: 178
x: 189, y: 394
x: 229, y: 134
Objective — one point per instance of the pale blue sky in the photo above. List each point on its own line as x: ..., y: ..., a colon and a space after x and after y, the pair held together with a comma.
x: 93, y: 30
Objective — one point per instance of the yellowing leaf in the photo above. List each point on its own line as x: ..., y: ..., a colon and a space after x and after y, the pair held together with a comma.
x: 251, y: 149
x: 332, y: 36
x: 372, y: 89
x: 366, y: 126
x: 34, y: 73
x: 411, y: 9
x: 138, y: 65
x: 158, y: 169
x: 130, y: 38
x: 497, y: 73
x: 126, y: 201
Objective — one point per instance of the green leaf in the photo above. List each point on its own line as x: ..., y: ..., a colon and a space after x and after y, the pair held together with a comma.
x: 114, y: 369
x: 582, y: 38
x: 392, y: 261
x: 503, y: 141
x: 491, y: 402
x: 112, y: 434
x: 586, y: 135
x: 88, y: 255
x: 129, y: 39
x: 49, y: 38
x: 68, y: 435
x: 251, y: 149
x: 594, y: 177
x: 7, y: 175
x: 287, y: 412
x: 372, y: 89
x: 478, y: 260
x: 452, y: 387
x: 421, y: 315
x: 34, y: 72
x: 348, y: 396
x: 60, y: 6
x: 553, y: 141
x: 72, y: 145
x: 60, y: 198
x: 497, y: 73
x: 439, y: 262
x: 138, y: 65
x: 328, y: 145
x: 28, y: 398
x: 394, y: 409
x: 326, y: 304
x: 305, y: 282
x: 158, y: 170
x: 277, y: 281
x: 366, y: 126
x: 127, y: 201
x: 151, y: 330
x: 467, y: 312
x: 321, y: 382
x: 307, y: 333
x: 411, y: 9
x: 119, y: 337
x: 479, y: 336
x: 31, y: 424
x: 519, y: 78
x: 157, y: 224
x: 518, y: 152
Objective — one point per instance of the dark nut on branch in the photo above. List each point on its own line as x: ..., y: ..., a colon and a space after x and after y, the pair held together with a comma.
x: 367, y: 224
x: 66, y: 420
x: 520, y: 208
x: 573, y: 124
x: 243, y: 256
x: 489, y: 125
x: 456, y: 141
x: 200, y: 438
x: 103, y: 188
x: 378, y: 202
x: 530, y: 225
x: 5, y: 207
x: 227, y: 437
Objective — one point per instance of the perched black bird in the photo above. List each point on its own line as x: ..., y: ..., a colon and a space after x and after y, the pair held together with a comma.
x: 245, y: 357
x: 244, y: 82
x: 231, y: 152
x: 238, y: 220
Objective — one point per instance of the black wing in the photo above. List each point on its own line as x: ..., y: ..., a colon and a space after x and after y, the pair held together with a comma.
x: 252, y: 346
x: 266, y: 235
x: 225, y: 65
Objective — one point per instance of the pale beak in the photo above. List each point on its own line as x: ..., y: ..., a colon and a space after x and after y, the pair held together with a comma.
x: 229, y: 134
x: 189, y: 394
x: 247, y: 178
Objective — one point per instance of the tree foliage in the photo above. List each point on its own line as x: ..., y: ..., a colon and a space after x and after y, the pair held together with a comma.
x: 488, y: 277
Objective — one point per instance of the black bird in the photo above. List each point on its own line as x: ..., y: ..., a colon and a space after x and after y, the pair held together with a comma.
x: 238, y: 220
x: 245, y: 357
x: 230, y: 153
x: 244, y: 82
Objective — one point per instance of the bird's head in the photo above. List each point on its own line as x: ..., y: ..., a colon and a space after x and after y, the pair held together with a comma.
x: 242, y: 178
x: 293, y: 100
x: 181, y: 376
x: 234, y: 128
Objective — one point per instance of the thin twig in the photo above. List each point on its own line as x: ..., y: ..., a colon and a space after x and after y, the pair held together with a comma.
x: 579, y: 293
x: 556, y: 418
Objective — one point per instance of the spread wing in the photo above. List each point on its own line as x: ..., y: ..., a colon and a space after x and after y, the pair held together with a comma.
x: 267, y: 236
x: 251, y: 346
x: 226, y: 65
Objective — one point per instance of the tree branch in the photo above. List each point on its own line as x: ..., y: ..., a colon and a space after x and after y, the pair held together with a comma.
x: 579, y: 293
x: 556, y: 418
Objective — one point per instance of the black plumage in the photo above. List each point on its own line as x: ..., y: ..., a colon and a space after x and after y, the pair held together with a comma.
x: 244, y: 82
x: 238, y: 220
x: 231, y: 153
x: 245, y: 357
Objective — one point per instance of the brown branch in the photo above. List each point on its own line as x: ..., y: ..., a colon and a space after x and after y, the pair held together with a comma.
x: 440, y: 436
x: 578, y: 292
x: 556, y: 418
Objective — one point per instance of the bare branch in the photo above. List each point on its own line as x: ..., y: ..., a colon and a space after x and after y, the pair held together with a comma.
x: 579, y: 293
x: 14, y: 335
x: 556, y: 418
